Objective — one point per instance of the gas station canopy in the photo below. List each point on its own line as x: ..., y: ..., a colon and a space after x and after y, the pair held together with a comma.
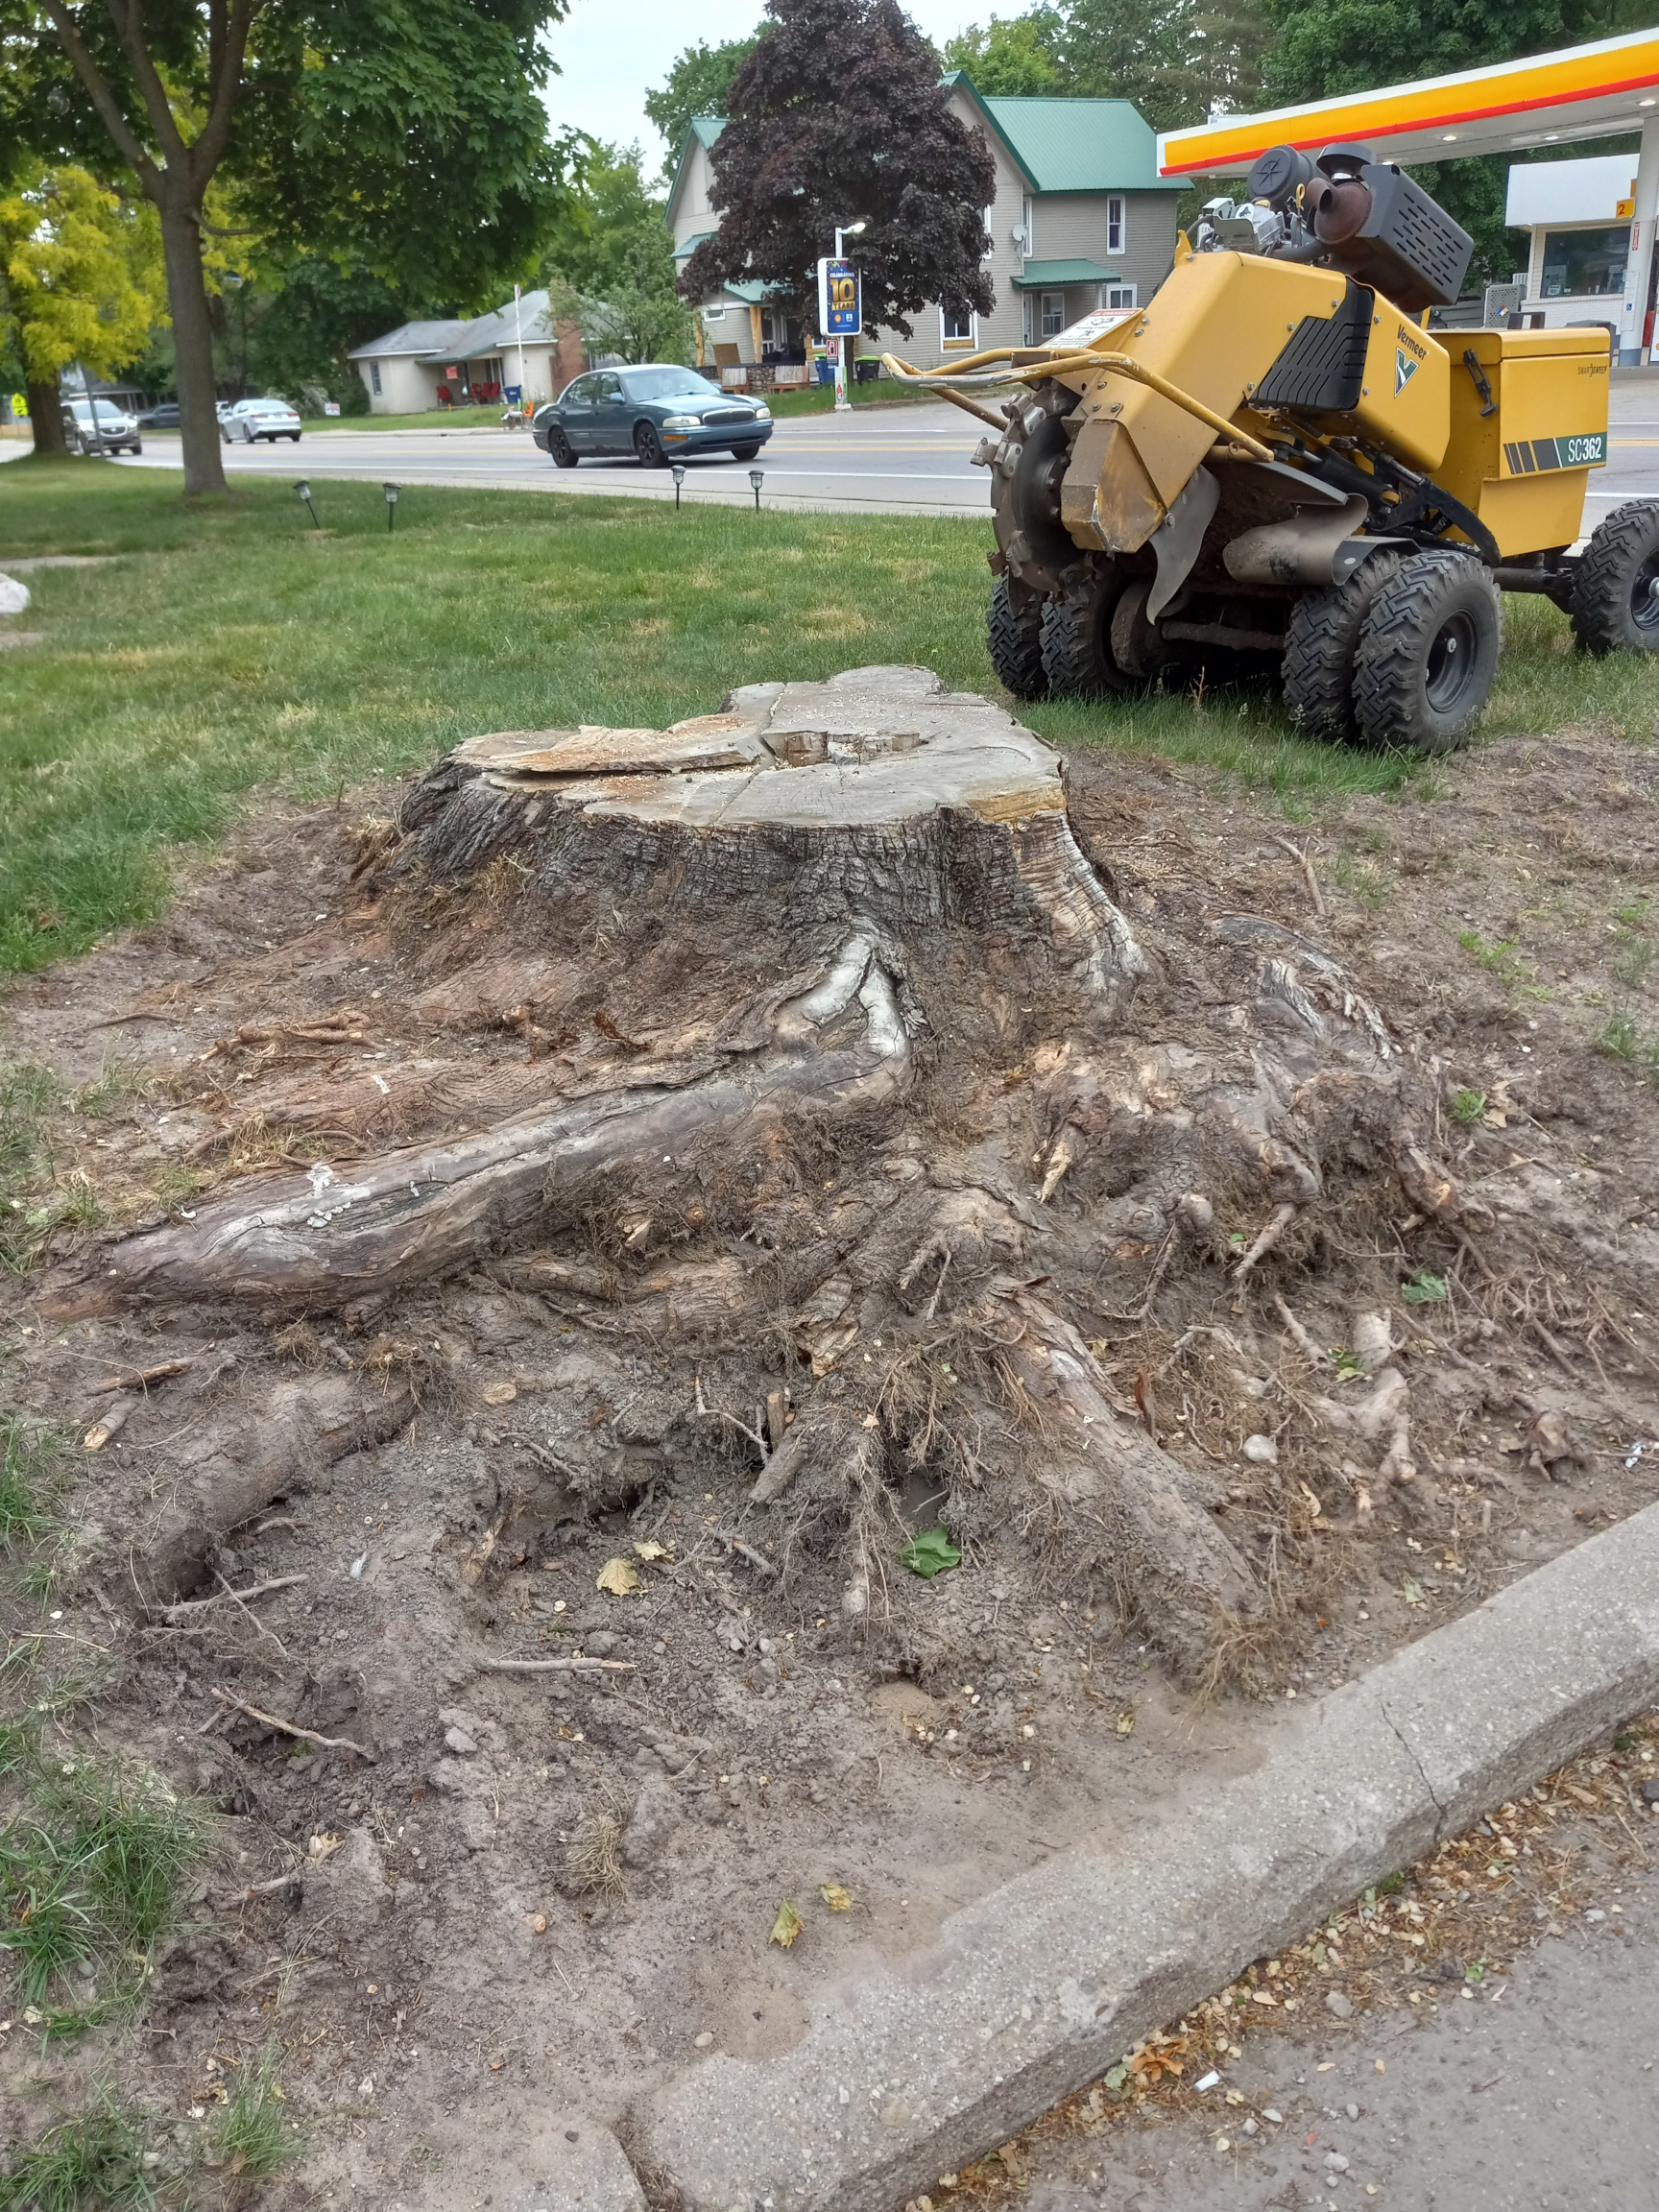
x: 1512, y: 107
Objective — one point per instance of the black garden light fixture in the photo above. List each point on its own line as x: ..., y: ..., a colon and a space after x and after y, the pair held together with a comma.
x: 756, y: 477
x: 391, y: 491
x: 302, y: 491
x: 679, y: 479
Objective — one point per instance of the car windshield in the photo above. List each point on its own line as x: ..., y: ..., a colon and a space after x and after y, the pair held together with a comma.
x: 670, y: 384
x: 82, y: 411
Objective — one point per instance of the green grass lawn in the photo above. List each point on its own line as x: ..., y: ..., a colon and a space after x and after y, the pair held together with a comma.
x: 230, y: 646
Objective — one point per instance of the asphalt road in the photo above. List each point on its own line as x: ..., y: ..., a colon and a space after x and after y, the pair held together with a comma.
x: 901, y: 459
x: 1538, y: 2094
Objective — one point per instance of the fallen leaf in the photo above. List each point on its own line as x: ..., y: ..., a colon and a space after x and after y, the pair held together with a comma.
x: 320, y: 1846
x: 499, y: 1393
x: 619, y: 1577
x: 1125, y: 1723
x: 837, y: 1899
x: 929, y: 1553
x: 650, y: 1549
x: 786, y: 1927
x: 1412, y: 1593
x: 95, y: 1439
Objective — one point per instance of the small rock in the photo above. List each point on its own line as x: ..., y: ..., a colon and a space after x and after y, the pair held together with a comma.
x: 1342, y: 2007
x: 1269, y: 2112
x: 459, y: 1742
x: 1650, y: 1790
x: 1594, y: 1916
x: 1334, y: 2162
x: 1262, y: 1450
x: 1249, y: 2129
x: 651, y: 1824
x: 600, y: 1644
x: 1352, y: 2111
x: 705, y: 2040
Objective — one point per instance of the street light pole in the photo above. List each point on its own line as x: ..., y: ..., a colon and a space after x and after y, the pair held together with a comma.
x: 843, y: 232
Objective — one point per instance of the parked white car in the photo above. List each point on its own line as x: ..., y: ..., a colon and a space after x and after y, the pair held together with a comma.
x: 251, y: 420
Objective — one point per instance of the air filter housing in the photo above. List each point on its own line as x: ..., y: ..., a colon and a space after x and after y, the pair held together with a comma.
x: 1407, y: 246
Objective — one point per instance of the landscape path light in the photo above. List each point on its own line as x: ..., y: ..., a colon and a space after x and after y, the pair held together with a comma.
x: 391, y: 491
x: 679, y: 479
x: 303, y: 491
x: 756, y: 477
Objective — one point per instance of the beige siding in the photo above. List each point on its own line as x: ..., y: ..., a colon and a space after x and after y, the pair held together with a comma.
x: 691, y: 212
x: 405, y: 387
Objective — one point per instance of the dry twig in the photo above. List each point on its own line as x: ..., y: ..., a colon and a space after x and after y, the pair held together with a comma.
x: 289, y: 1729
x: 1299, y: 854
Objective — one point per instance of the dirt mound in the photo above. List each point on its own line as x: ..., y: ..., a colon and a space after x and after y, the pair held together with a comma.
x: 625, y: 1193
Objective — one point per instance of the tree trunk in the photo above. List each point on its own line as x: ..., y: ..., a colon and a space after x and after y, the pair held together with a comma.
x: 46, y: 418
x: 193, y: 350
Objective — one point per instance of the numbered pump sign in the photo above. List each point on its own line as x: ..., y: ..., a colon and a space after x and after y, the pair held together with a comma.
x: 840, y: 303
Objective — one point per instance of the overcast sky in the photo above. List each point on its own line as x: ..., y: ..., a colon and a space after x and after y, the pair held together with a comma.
x: 611, y: 51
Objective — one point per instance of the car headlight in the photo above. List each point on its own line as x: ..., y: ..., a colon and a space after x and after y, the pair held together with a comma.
x: 681, y: 423
x: 763, y: 414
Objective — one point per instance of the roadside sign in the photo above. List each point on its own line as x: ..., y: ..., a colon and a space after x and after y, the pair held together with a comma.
x: 840, y: 301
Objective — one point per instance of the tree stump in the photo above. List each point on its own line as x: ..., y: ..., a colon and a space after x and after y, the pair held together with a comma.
x: 809, y: 1070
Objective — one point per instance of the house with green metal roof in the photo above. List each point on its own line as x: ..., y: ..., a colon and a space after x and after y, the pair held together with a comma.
x: 1080, y: 222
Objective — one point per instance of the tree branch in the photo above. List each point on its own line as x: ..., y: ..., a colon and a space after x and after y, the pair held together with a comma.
x: 175, y: 153
x: 224, y: 82
x: 103, y: 99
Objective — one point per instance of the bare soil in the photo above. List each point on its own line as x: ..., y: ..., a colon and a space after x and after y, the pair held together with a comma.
x: 521, y: 1894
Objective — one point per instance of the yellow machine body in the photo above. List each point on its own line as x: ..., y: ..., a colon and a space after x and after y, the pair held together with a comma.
x: 1251, y: 338
x: 1524, y: 467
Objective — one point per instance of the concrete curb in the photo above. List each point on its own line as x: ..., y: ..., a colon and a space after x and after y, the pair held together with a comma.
x: 917, y: 2067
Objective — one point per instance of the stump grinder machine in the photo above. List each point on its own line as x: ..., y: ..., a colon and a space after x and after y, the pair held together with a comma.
x: 1276, y: 462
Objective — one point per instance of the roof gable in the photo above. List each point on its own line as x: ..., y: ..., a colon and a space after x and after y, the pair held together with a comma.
x: 1070, y: 145
x: 702, y: 131
x: 407, y: 338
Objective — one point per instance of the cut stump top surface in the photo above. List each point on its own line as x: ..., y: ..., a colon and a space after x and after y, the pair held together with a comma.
x: 871, y: 747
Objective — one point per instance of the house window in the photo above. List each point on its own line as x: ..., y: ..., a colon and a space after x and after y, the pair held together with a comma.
x: 1053, y: 314
x: 374, y: 378
x: 955, y: 329
x: 1119, y: 295
x: 1115, y: 223
x: 1026, y: 222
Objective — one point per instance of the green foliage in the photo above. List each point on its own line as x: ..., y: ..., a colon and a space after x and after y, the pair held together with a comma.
x: 92, y: 2163
x: 1467, y: 1106
x: 609, y: 262
x: 1424, y: 1289
x: 79, y: 272
x: 29, y: 1463
x: 1010, y: 57
x: 251, y: 2134
x: 89, y: 1875
x: 698, y: 83
x: 929, y: 1553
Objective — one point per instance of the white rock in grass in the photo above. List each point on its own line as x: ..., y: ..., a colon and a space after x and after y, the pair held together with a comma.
x: 14, y: 596
x: 1262, y: 1450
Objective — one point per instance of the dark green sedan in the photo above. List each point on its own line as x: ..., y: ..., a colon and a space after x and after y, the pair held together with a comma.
x: 657, y: 412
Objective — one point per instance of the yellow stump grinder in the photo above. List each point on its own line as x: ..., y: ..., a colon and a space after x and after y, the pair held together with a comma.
x: 1277, y: 462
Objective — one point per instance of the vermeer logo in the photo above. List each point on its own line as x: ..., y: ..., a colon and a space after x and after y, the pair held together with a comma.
x: 1405, y: 368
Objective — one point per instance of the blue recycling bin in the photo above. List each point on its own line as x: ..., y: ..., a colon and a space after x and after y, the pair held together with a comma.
x: 825, y: 371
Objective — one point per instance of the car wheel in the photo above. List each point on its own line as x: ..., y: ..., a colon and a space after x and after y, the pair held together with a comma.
x: 648, y: 445
x: 294, y: 437
x: 138, y: 445
x: 746, y: 452
x: 559, y: 450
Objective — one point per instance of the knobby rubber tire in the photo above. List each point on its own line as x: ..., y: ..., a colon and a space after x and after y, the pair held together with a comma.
x: 1321, y: 643
x: 1621, y: 558
x: 1014, y: 632
x: 1430, y: 595
x: 1077, y: 640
